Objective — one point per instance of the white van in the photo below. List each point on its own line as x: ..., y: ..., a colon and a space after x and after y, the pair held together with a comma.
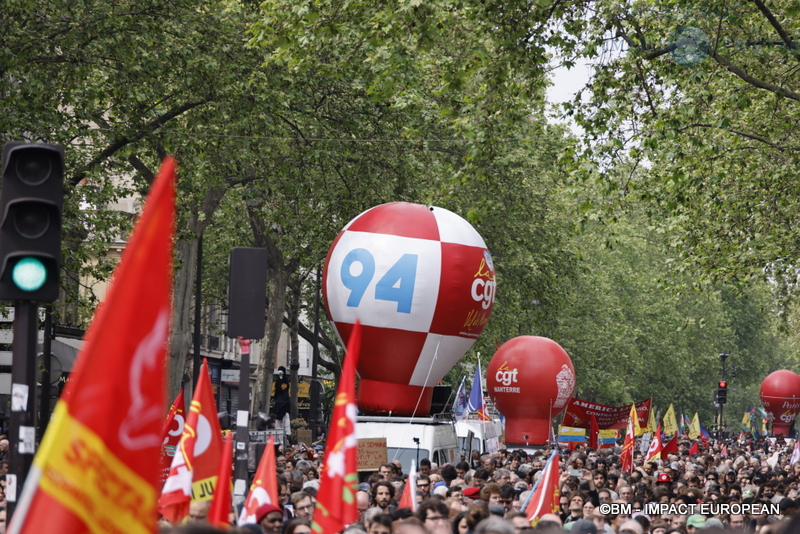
x: 486, y: 435
x: 413, y: 438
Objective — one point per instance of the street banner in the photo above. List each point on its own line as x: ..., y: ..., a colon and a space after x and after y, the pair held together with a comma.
x: 544, y: 498
x: 579, y: 413
x: 264, y: 489
x: 670, y: 421
x: 336, y: 498
x: 171, y: 434
x: 97, y: 470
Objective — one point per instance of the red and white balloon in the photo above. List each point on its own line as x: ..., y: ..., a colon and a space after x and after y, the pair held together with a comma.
x: 780, y: 395
x: 422, y: 282
x: 530, y: 379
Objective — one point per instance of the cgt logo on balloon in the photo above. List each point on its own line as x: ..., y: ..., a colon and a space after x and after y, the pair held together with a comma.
x: 506, y: 377
x: 422, y: 282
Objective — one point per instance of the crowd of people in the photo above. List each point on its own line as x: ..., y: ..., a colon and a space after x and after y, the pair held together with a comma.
x: 735, y: 487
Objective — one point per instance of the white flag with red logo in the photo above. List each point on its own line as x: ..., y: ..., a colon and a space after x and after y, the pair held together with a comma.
x: 656, y: 444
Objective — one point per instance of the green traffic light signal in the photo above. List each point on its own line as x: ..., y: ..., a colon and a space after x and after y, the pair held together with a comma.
x: 29, y: 274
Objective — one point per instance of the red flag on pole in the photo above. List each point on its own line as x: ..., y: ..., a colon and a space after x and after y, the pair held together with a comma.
x: 336, y: 499
x: 670, y: 447
x: 409, y: 498
x: 220, y: 510
x: 171, y: 434
x: 264, y: 489
x: 656, y: 446
x: 594, y: 431
x: 694, y: 449
x: 626, y: 457
x: 97, y: 469
x: 193, y: 473
x: 546, y: 495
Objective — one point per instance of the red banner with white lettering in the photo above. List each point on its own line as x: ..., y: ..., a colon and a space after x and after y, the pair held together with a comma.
x: 579, y: 414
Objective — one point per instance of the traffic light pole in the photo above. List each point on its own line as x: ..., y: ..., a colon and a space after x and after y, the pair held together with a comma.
x: 23, y: 389
x: 242, y: 423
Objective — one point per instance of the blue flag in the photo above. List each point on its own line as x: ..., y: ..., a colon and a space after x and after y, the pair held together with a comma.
x: 460, y: 406
x: 475, y: 403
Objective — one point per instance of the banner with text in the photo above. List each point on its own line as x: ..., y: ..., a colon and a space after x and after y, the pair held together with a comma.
x: 579, y: 414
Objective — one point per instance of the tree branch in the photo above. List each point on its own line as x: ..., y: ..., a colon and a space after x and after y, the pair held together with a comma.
x: 777, y: 25
x: 755, y: 82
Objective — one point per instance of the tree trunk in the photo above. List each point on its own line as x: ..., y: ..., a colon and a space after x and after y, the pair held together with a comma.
x: 181, y: 339
x: 294, y: 318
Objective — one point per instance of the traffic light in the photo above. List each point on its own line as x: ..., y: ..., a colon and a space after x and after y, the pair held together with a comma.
x: 30, y: 221
x: 722, y: 392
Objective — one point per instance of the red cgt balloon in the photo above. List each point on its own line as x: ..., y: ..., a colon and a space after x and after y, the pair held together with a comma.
x: 780, y: 395
x: 530, y: 379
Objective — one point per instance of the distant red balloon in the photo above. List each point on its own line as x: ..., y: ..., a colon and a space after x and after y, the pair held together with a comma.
x: 530, y: 379
x: 780, y: 395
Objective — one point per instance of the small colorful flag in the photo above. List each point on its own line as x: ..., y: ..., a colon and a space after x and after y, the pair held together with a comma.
x: 264, y: 489
x: 336, y: 498
x: 656, y: 446
x: 694, y: 428
x: 670, y: 422
x: 694, y: 449
x: 220, y: 510
x: 545, y: 496
x: 409, y: 498
x: 171, y: 434
x: 626, y: 457
x: 97, y: 469
x: 475, y: 402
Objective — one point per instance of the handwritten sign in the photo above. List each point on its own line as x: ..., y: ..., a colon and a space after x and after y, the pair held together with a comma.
x: 371, y: 453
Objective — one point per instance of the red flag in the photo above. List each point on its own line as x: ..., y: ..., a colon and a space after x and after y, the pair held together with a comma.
x: 546, y: 496
x: 656, y: 446
x: 409, y: 498
x: 670, y: 447
x: 97, y: 469
x: 193, y: 473
x: 694, y: 449
x: 220, y: 510
x: 626, y: 457
x: 171, y: 434
x: 594, y: 430
x: 264, y: 489
x: 336, y: 498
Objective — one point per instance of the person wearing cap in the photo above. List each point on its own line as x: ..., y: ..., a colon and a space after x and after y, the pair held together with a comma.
x: 664, y: 480
x: 695, y: 522
x: 270, y: 518
x: 583, y: 526
x: 472, y: 493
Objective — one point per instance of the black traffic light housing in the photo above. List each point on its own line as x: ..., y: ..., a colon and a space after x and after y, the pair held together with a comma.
x: 31, y: 198
x: 722, y: 392
x: 247, y: 292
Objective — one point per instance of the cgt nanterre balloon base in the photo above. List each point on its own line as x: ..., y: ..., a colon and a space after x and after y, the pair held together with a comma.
x: 530, y: 379
x: 422, y: 282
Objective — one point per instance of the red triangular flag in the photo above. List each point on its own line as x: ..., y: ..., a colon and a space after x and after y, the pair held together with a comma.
x: 336, y: 499
x: 409, y: 498
x: 97, y: 469
x: 546, y: 496
x: 694, y: 449
x: 171, y: 434
x: 220, y: 510
x: 670, y: 447
x: 193, y: 473
x: 264, y: 489
x: 594, y: 431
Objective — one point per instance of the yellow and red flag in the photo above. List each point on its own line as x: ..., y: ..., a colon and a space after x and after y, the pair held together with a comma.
x: 193, y: 473
x: 264, y: 489
x: 626, y: 457
x: 220, y: 510
x: 97, y: 470
x: 656, y: 446
x: 171, y: 434
x: 336, y: 499
x: 547, y: 494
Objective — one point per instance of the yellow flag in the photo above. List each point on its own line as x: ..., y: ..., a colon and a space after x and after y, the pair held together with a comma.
x: 694, y: 428
x: 651, y: 420
x: 670, y: 422
x: 635, y: 418
x: 746, y: 421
